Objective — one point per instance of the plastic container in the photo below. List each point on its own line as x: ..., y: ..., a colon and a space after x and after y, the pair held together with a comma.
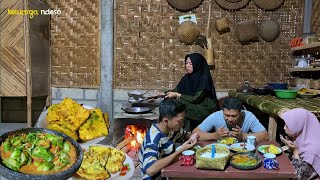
x: 296, y: 61
x: 286, y: 94
x: 278, y: 85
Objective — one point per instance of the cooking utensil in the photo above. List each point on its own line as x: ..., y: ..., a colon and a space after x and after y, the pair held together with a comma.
x: 262, y: 91
x: 150, y: 97
x: 244, y: 146
x: 137, y: 110
x: 137, y: 94
x: 10, y: 174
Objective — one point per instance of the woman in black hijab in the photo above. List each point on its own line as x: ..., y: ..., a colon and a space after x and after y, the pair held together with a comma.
x: 196, y: 91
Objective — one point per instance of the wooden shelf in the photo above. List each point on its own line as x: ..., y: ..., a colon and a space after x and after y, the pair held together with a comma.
x: 303, y: 69
x: 308, y: 46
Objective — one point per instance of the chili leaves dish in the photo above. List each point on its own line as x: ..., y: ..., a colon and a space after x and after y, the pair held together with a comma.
x: 37, y: 153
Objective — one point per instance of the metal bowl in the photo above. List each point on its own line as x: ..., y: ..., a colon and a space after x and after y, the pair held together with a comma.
x: 261, y: 91
x: 10, y: 174
x: 138, y: 110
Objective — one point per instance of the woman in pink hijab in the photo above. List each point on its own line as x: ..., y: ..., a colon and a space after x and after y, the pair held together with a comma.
x: 303, y: 128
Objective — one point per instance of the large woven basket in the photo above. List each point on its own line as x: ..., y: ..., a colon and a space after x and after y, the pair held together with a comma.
x: 188, y: 32
x: 209, y: 163
x: 224, y: 4
x: 233, y: 1
x: 184, y: 5
x: 268, y: 4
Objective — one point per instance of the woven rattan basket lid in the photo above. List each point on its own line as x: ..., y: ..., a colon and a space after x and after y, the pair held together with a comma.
x: 234, y: 1
x: 269, y: 30
x: 184, y: 5
x: 224, y: 4
x: 268, y: 4
x: 188, y: 32
x: 246, y: 31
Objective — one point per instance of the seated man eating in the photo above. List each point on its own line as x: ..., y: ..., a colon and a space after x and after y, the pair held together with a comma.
x: 231, y: 121
x: 157, y: 150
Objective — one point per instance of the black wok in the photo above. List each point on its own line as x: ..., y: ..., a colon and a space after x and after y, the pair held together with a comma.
x: 10, y: 174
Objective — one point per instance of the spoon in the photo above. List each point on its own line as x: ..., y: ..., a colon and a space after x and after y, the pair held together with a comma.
x: 244, y: 146
x: 144, y: 93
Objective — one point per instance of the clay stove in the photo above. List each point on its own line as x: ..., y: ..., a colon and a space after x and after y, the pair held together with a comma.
x: 132, y: 127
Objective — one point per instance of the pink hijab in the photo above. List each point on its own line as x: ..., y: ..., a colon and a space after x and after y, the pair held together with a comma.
x: 306, y: 128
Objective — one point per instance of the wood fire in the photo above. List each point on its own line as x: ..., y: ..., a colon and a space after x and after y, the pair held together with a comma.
x: 136, y: 131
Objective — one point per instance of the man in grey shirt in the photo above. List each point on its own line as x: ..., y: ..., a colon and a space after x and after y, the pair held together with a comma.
x: 231, y: 121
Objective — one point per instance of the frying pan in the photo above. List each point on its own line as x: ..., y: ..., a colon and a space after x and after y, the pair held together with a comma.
x: 137, y: 110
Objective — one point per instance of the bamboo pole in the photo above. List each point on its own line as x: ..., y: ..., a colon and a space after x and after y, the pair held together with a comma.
x: 209, y: 51
x: 209, y: 20
x: 27, y: 62
x: 49, y: 98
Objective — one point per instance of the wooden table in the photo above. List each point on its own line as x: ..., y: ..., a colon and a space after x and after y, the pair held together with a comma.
x: 274, y: 106
x: 176, y: 171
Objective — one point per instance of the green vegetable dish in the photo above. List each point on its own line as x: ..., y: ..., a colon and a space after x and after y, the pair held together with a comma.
x: 37, y: 153
x: 244, y: 160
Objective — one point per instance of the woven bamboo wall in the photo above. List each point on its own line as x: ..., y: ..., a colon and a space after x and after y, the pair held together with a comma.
x: 12, y: 63
x: 316, y: 17
x: 148, y: 54
x: 75, y: 43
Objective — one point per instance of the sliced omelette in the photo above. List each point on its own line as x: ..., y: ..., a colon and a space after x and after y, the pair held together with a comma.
x: 69, y: 113
x: 93, y: 170
x: 94, y: 127
x: 63, y: 129
x: 115, y: 161
x: 99, y: 162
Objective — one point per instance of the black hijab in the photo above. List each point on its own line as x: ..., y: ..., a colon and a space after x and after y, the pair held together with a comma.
x: 199, y: 79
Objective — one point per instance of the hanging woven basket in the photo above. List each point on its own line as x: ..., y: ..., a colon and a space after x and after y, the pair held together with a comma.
x: 222, y: 24
x: 184, y: 5
x: 269, y: 30
x: 188, y: 32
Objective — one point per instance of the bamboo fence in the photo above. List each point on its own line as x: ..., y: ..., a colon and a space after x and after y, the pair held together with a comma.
x: 24, y: 51
x: 12, y: 51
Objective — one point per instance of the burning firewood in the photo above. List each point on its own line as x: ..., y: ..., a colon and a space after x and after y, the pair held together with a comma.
x: 125, y: 142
